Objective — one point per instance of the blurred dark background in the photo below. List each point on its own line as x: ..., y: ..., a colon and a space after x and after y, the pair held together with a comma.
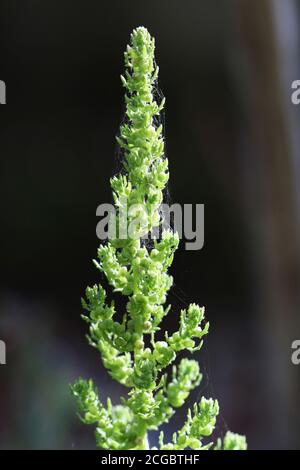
x: 226, y: 68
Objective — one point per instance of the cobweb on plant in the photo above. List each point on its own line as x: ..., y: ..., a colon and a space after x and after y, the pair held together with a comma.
x: 177, y: 296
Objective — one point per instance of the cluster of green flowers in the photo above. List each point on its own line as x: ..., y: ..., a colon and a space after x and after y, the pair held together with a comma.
x: 129, y: 349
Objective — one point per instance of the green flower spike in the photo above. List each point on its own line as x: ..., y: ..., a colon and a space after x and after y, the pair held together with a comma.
x: 139, y: 272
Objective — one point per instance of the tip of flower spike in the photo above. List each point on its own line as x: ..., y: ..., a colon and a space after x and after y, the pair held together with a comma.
x: 139, y: 57
x: 140, y: 37
x: 140, y: 30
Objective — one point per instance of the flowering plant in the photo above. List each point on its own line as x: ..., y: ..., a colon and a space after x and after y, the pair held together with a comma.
x: 129, y: 348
